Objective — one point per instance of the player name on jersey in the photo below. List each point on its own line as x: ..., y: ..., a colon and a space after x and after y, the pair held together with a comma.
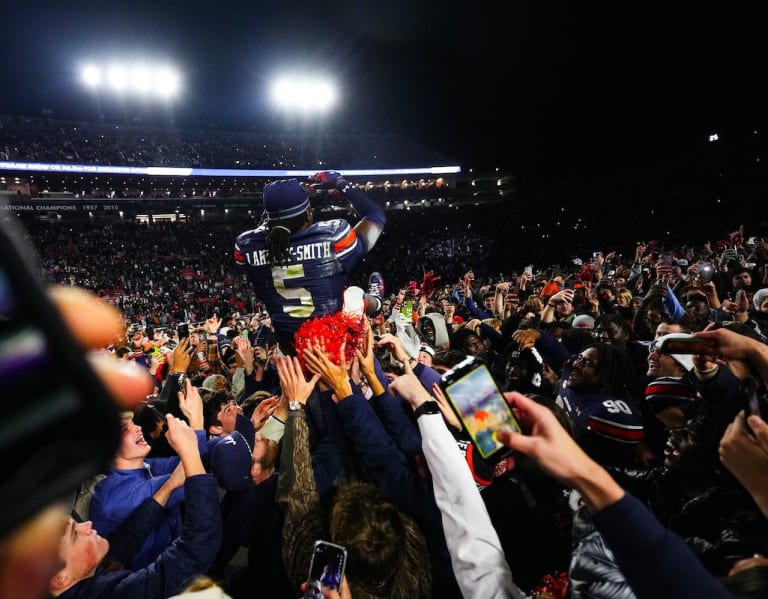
x: 299, y: 253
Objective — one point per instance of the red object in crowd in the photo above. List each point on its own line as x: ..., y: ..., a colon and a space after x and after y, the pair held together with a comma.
x: 428, y: 283
x: 331, y: 331
x: 554, y: 586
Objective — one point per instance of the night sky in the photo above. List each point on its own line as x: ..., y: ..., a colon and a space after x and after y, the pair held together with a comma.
x: 519, y: 85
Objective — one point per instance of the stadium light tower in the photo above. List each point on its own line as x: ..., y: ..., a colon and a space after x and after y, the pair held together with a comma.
x: 304, y: 95
x: 124, y: 80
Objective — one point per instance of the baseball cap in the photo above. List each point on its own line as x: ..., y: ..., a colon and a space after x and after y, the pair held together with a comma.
x: 230, y: 457
x: 427, y: 349
x: 583, y: 321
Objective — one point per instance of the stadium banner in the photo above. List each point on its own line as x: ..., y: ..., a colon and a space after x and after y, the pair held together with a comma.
x: 25, y: 204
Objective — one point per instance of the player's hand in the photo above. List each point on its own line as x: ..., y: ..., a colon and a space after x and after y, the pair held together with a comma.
x: 328, y: 180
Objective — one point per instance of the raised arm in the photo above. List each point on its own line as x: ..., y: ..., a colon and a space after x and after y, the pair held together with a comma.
x: 734, y: 345
x: 372, y: 220
x: 296, y: 490
x: 126, y: 540
x: 194, y: 551
x: 650, y: 556
x: 476, y: 554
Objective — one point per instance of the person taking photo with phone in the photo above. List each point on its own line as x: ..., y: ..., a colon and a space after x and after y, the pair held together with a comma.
x: 83, y: 550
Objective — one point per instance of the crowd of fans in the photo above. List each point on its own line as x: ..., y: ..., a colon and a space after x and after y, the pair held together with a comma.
x: 28, y: 139
x: 579, y: 348
x: 166, y: 273
x: 636, y: 370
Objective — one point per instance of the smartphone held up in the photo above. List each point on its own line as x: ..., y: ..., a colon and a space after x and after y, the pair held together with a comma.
x: 479, y: 404
x: 687, y: 345
x: 326, y: 568
x: 754, y: 403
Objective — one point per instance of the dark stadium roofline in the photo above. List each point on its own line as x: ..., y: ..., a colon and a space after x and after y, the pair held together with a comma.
x: 42, y: 167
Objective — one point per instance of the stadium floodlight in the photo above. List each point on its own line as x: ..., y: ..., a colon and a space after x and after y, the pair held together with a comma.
x: 137, y: 79
x: 304, y: 94
x: 140, y: 79
x: 116, y: 77
x: 91, y: 76
x: 167, y: 82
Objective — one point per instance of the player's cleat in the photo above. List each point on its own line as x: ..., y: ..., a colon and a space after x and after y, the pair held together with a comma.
x: 376, y: 284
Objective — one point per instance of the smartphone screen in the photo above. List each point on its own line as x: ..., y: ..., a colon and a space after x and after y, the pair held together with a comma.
x: 183, y: 330
x: 326, y: 568
x: 57, y: 424
x: 479, y: 404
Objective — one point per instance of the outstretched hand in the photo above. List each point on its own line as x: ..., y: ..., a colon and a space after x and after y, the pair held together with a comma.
x: 447, y: 411
x: 731, y: 344
x: 366, y: 361
x: 526, y: 338
x: 394, y: 345
x: 96, y: 324
x: 365, y: 356
x: 410, y: 389
x: 263, y: 411
x: 181, y: 357
x: 328, y: 180
x: 191, y: 405
x: 330, y: 593
x: 244, y: 350
x: 546, y: 441
x: 336, y: 377
x: 181, y: 437
x: 212, y: 324
x: 292, y: 382
x: 30, y: 552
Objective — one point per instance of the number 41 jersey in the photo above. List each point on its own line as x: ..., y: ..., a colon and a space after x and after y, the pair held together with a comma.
x: 313, y: 280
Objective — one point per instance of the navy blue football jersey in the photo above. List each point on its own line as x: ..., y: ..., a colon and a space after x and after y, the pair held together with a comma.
x: 312, y: 283
x: 608, y: 428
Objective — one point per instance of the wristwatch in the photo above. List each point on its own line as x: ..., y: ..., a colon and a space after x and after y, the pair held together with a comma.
x: 428, y: 407
x: 295, y: 406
